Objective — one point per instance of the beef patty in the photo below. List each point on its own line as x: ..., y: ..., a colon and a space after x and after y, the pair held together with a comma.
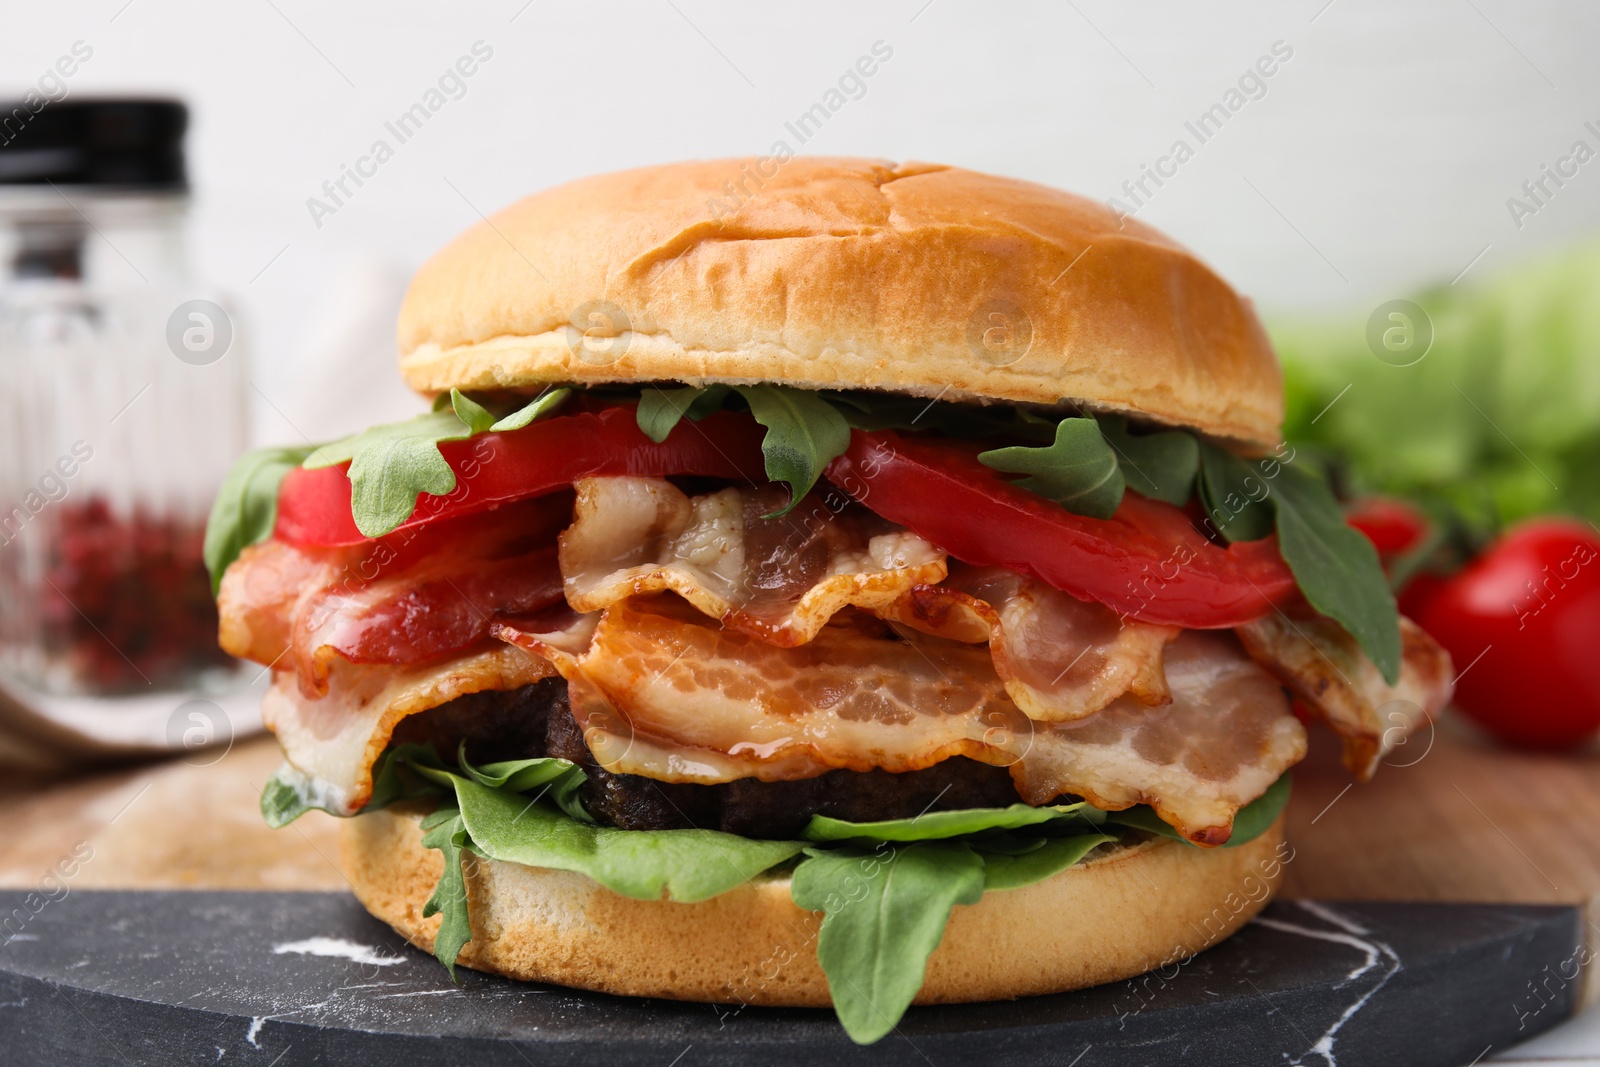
x: 536, y: 720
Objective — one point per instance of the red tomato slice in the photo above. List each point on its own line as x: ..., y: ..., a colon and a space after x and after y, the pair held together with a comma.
x: 495, y: 469
x: 1147, y: 561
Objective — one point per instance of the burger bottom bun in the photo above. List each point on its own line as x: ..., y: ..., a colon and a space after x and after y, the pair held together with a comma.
x: 1130, y: 910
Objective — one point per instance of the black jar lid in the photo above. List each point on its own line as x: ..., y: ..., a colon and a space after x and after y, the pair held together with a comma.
x: 130, y: 143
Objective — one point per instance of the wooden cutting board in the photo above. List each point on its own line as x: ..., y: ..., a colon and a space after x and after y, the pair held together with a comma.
x: 1451, y: 817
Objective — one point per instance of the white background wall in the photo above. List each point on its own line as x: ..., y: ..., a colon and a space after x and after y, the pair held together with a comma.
x: 1380, y: 157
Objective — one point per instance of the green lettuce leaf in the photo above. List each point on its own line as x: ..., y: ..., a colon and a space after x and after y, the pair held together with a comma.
x: 942, y: 824
x: 286, y: 797
x: 537, y: 408
x: 1334, y: 564
x: 393, y: 464
x: 1234, y: 494
x: 661, y: 409
x: 1013, y: 869
x: 804, y: 434
x: 445, y: 831
x: 1078, y: 470
x: 1249, y: 823
x: 1161, y: 466
x: 1498, y: 418
x: 1336, y: 567
x: 246, y: 508
x: 477, y: 417
x: 683, y: 865
x: 548, y: 776
x: 884, y: 912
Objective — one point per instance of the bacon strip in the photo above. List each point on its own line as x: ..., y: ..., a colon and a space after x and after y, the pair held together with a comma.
x: 405, y: 599
x: 782, y: 580
x: 1326, y: 669
x: 665, y: 692
x: 1061, y: 658
x: 335, y: 739
x: 778, y: 579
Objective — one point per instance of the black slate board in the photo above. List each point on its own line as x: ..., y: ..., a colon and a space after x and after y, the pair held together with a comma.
x: 218, y: 977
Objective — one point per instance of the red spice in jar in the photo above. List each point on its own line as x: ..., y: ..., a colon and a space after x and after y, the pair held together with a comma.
x: 128, y: 605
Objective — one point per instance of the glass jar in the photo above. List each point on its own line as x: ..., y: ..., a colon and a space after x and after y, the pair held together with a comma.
x: 121, y: 405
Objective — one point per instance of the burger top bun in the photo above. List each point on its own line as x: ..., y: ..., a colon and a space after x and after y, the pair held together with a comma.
x: 842, y: 274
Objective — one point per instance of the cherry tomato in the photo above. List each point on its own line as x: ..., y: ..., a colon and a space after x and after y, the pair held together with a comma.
x: 496, y: 469
x: 1395, y: 527
x: 1147, y: 561
x: 1391, y: 525
x: 1530, y: 607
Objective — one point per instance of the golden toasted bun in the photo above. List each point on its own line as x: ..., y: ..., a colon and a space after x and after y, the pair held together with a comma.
x: 842, y: 273
x: 1134, y: 909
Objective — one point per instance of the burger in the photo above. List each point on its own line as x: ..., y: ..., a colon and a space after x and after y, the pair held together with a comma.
x: 889, y: 589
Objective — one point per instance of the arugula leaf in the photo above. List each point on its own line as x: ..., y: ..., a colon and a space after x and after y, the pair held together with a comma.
x: 394, y: 776
x: 804, y: 434
x: 289, y: 793
x: 477, y: 417
x: 1336, y: 567
x: 285, y: 797
x: 444, y: 830
x: 246, y: 508
x: 1079, y: 470
x: 533, y: 410
x: 685, y: 865
x: 1234, y: 493
x: 1014, y: 869
x: 660, y: 409
x: 1161, y: 466
x: 1249, y: 823
x: 884, y: 913
x: 391, y: 465
x: 941, y: 824
x: 553, y: 777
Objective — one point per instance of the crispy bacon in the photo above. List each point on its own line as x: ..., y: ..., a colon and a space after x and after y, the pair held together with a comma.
x: 665, y: 692
x: 781, y: 581
x: 334, y: 739
x: 704, y: 643
x: 1322, y: 664
x: 1060, y: 658
x: 777, y: 579
x: 401, y: 600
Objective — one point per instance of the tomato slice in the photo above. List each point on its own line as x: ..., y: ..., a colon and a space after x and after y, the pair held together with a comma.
x: 1146, y: 562
x: 499, y: 468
